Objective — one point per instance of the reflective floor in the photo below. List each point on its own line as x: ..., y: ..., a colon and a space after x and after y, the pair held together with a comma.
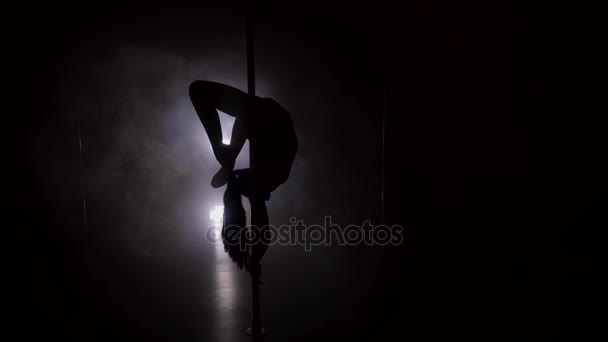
x: 437, y: 285
x: 320, y: 295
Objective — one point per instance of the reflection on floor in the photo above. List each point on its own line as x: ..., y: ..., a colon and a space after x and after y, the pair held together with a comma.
x: 327, y: 294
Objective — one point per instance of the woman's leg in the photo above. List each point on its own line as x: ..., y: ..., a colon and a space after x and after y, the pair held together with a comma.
x: 207, y: 97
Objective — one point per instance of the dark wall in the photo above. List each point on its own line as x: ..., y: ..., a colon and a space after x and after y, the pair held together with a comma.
x: 469, y: 110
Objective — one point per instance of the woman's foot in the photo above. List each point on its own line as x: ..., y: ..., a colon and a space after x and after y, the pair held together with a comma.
x: 221, y: 177
x: 225, y: 156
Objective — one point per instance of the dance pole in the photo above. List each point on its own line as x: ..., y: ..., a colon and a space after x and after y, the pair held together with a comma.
x: 256, y: 330
x: 81, y: 181
x: 250, y: 50
x: 383, y: 153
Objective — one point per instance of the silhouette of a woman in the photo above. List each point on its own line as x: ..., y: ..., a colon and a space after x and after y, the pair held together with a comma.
x: 273, y: 145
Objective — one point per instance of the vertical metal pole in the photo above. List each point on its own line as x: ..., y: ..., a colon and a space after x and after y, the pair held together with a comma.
x: 84, y: 199
x: 256, y: 330
x: 383, y: 161
x: 250, y: 51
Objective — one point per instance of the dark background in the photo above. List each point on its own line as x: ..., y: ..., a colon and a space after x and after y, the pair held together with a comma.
x: 469, y: 96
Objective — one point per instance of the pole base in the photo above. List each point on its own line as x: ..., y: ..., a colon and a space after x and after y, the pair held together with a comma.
x: 250, y: 332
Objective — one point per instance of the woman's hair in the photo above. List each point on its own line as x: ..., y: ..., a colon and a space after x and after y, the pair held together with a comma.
x: 234, y: 227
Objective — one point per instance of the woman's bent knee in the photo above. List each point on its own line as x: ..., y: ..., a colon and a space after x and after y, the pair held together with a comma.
x: 197, y: 88
x: 203, y: 91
